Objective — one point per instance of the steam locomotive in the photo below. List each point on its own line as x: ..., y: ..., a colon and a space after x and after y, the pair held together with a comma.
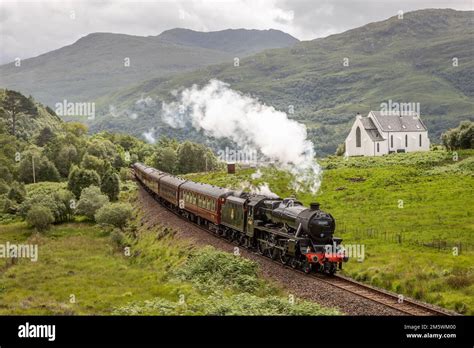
x: 282, y: 229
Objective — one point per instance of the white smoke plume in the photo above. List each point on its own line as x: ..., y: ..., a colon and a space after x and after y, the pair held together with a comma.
x: 263, y: 189
x: 150, y: 136
x: 221, y: 112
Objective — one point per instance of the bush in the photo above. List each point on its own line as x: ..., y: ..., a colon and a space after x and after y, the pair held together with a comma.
x: 111, y: 185
x: 7, y: 205
x: 461, y: 137
x: 17, y: 192
x: 341, y: 149
x: 125, y: 174
x: 40, y: 217
x: 80, y: 179
x: 59, y: 203
x: 116, y: 214
x: 45, y: 170
x: 91, y: 201
x: 211, y: 269
x: 4, y: 188
x: 94, y: 163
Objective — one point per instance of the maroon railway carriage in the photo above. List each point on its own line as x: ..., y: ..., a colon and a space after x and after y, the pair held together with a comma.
x: 149, y: 176
x: 169, y: 188
x: 203, y: 200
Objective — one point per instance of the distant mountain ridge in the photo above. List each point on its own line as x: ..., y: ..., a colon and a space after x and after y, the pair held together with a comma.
x: 101, y: 63
x: 235, y: 41
x: 425, y: 58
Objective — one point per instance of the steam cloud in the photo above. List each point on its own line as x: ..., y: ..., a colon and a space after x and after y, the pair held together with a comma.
x: 221, y: 112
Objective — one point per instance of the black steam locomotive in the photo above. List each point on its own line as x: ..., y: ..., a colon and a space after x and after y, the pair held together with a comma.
x: 282, y: 229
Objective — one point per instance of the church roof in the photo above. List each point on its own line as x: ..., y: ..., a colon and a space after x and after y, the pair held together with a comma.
x: 371, y: 129
x: 394, y: 122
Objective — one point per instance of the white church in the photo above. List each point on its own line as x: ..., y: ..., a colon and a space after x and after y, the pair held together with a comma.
x: 380, y: 133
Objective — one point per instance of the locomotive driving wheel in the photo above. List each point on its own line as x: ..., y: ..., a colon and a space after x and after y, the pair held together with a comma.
x: 306, y: 267
x: 284, y: 259
x: 294, y: 263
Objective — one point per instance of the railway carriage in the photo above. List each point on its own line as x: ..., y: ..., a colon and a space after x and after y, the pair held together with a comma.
x: 148, y: 176
x: 203, y: 201
x: 169, y: 189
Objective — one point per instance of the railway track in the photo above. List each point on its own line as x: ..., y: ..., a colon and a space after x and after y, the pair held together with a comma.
x: 386, y: 298
x: 383, y: 297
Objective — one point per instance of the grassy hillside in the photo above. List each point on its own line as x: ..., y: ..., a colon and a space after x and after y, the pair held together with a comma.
x: 408, y: 210
x: 94, y: 65
x: 82, y: 270
x: 405, y: 60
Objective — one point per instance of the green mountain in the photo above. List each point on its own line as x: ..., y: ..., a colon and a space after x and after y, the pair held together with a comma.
x: 404, y: 60
x: 96, y: 64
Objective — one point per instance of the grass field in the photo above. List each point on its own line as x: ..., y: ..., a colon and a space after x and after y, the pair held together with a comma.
x: 82, y: 269
x: 408, y: 210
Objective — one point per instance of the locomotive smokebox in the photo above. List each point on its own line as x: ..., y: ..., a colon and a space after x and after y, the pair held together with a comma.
x: 314, y: 206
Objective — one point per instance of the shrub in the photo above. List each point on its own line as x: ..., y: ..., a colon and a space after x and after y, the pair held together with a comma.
x: 91, y: 200
x: 45, y: 170
x: 80, y: 179
x: 4, y: 188
x: 7, y: 205
x: 124, y: 174
x: 116, y: 214
x: 17, y: 192
x: 459, y: 281
x: 118, y: 238
x: 59, y: 203
x: 5, y: 174
x: 40, y: 217
x: 341, y: 149
x: 461, y: 137
x: 211, y: 269
x: 94, y: 163
x: 111, y: 185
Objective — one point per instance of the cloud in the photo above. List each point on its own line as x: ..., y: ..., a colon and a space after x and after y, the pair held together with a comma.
x: 29, y: 28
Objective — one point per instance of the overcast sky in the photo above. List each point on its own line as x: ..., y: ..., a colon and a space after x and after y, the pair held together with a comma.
x: 30, y: 28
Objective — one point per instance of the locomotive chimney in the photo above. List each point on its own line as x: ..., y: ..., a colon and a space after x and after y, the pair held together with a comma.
x: 314, y: 206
